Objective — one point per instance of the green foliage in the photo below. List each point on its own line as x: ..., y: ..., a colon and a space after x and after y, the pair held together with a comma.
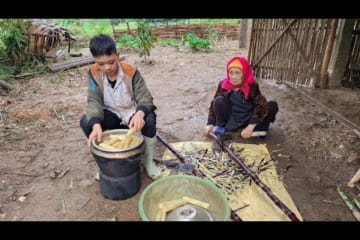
x: 213, y: 35
x: 14, y: 41
x: 122, y: 22
x: 91, y: 29
x: 169, y: 42
x: 126, y: 40
x: 14, y: 52
x: 69, y: 22
x: 115, y: 21
x: 146, y: 36
x: 86, y: 28
x: 196, y: 42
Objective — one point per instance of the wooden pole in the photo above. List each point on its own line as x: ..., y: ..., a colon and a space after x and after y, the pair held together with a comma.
x: 329, y: 47
x: 128, y: 27
x: 6, y: 85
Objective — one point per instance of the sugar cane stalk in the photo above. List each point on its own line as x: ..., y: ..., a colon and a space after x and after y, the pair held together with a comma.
x: 173, y: 150
x: 182, y: 159
x: 257, y: 180
x: 349, y: 205
x: 357, y: 203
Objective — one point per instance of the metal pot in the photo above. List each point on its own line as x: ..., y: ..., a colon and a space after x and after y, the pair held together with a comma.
x: 117, y: 153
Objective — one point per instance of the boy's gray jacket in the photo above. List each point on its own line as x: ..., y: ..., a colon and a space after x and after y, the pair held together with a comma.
x: 134, y: 83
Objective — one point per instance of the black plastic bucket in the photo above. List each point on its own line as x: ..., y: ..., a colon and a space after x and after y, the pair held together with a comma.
x: 119, y: 169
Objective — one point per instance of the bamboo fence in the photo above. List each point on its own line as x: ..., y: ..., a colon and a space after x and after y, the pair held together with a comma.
x: 290, y: 50
x: 230, y: 31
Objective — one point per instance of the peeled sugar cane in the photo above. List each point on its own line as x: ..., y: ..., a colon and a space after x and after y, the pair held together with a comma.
x: 117, y: 142
x: 354, y: 179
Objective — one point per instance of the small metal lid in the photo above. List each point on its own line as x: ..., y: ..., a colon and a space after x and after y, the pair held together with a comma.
x: 189, y: 212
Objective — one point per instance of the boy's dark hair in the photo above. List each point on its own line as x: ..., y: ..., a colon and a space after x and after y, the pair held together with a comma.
x: 102, y: 44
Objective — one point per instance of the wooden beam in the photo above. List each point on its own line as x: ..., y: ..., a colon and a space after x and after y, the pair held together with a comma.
x: 74, y: 63
x: 6, y: 85
x: 71, y: 63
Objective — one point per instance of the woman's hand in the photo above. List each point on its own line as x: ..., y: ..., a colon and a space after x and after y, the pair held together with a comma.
x: 208, y: 129
x: 246, y: 132
x: 137, y: 122
x: 96, y: 133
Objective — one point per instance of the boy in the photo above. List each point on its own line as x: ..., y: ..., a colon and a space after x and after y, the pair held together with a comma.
x: 118, y: 98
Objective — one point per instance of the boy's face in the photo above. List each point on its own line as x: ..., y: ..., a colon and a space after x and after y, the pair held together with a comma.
x: 236, y: 75
x: 108, y: 63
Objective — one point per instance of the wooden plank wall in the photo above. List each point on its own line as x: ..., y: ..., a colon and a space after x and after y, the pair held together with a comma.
x: 230, y: 31
x: 285, y: 62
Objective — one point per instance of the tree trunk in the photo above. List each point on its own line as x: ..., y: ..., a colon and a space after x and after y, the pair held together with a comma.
x: 243, y: 33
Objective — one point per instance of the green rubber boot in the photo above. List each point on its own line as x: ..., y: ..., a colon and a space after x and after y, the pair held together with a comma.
x: 153, y: 171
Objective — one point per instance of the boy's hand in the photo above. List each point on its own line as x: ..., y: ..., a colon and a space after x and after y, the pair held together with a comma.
x: 137, y: 122
x: 96, y: 132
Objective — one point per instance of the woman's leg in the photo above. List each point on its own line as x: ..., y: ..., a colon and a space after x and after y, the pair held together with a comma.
x: 222, y: 109
x: 270, y: 117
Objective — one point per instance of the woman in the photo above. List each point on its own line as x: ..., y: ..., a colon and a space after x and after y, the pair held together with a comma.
x: 238, y: 102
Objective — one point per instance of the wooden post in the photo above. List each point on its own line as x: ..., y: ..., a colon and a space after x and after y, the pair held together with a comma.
x: 128, y: 28
x: 243, y: 33
x: 176, y: 29
x: 340, y: 53
x: 200, y: 29
x: 329, y: 47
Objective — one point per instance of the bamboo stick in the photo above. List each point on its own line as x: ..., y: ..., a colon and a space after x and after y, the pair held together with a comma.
x: 354, y: 179
x: 63, y: 207
x: 257, y: 180
x: 349, y: 205
x: 357, y: 203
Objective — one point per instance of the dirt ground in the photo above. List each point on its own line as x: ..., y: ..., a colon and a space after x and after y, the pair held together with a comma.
x: 47, y: 172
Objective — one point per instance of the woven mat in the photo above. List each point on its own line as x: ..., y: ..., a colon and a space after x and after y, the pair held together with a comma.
x: 250, y: 202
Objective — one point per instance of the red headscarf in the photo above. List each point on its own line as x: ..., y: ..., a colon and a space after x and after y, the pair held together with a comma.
x: 248, y: 76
